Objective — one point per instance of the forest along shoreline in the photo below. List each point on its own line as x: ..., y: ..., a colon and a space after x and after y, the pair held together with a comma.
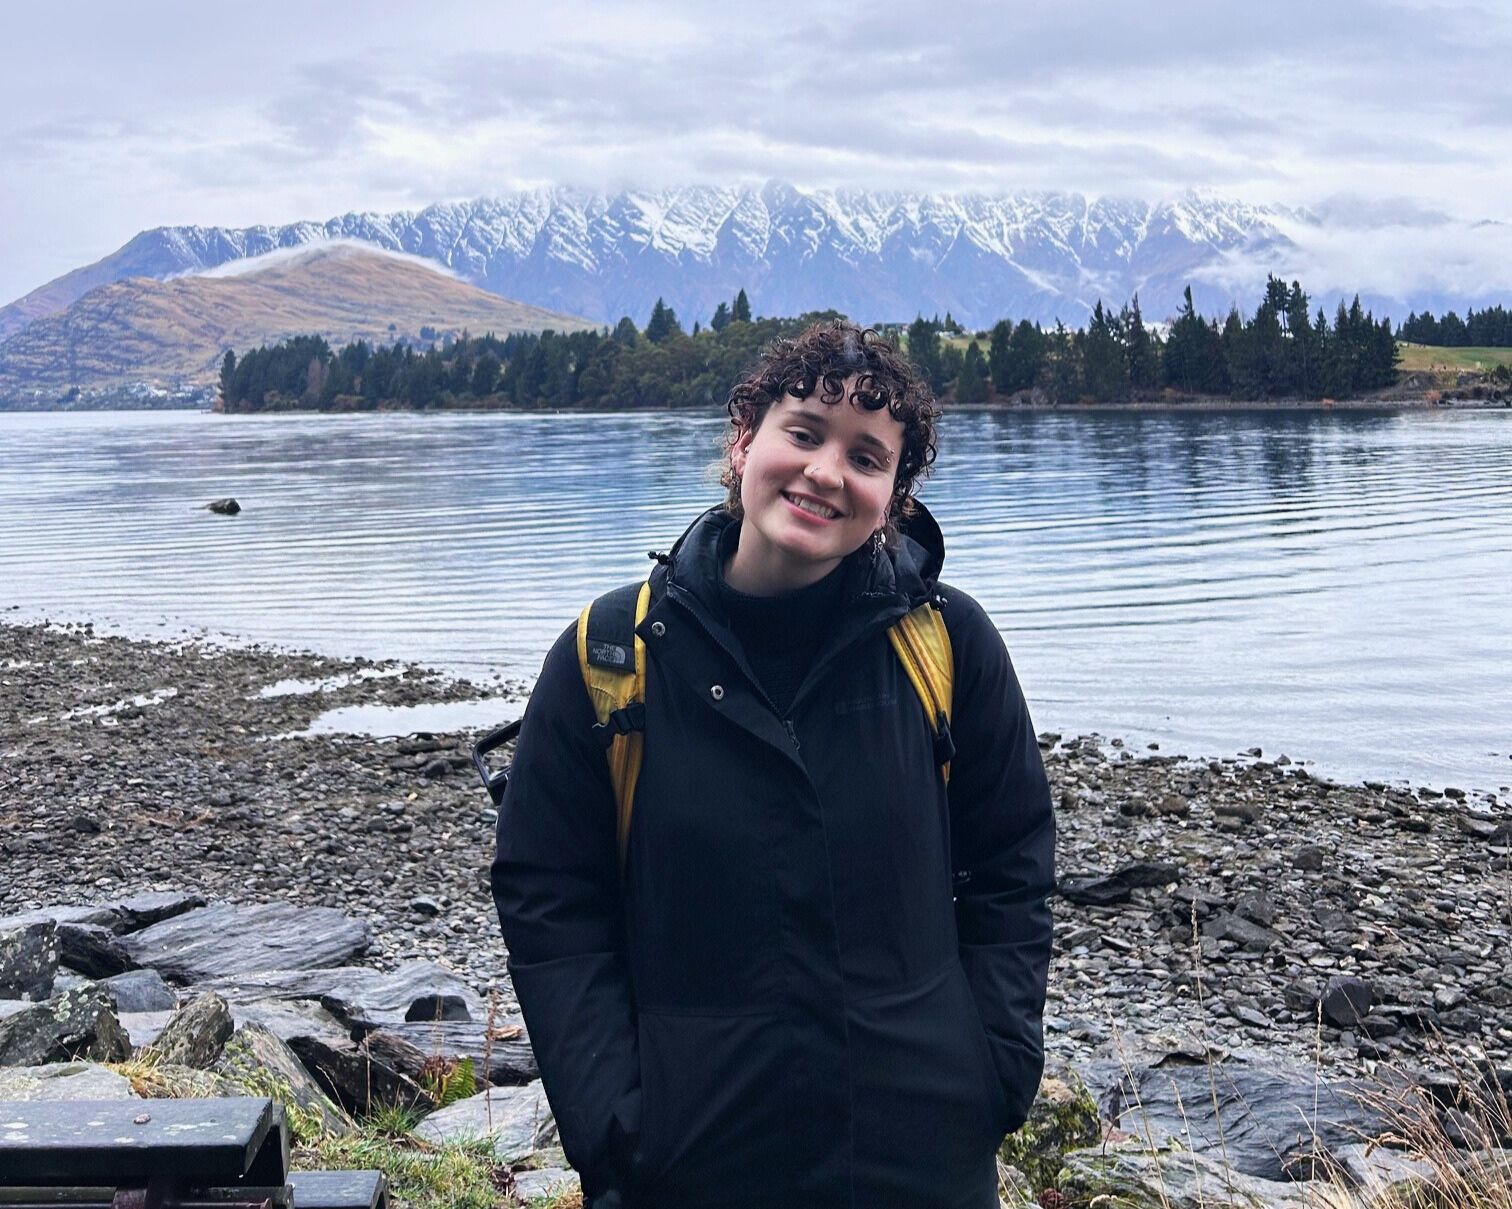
x: 1207, y: 906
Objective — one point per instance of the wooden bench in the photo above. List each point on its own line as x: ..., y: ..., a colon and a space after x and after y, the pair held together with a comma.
x: 230, y: 1153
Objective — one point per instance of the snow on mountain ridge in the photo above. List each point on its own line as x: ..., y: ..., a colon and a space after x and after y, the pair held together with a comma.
x: 877, y: 255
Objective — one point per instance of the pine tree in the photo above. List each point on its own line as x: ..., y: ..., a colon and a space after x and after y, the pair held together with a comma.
x: 998, y: 347
x: 1104, y: 372
x: 971, y: 382
x: 924, y: 350
x: 741, y: 311
x: 1140, y: 355
x: 227, y: 376
x: 663, y: 323
x: 625, y: 333
x: 721, y: 318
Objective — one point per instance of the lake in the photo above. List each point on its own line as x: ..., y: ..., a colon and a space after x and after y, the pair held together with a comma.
x: 1334, y: 585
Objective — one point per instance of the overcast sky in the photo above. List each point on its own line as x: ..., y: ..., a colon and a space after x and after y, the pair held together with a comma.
x: 119, y: 116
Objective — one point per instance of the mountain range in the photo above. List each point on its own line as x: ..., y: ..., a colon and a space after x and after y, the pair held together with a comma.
x: 879, y: 257
x: 144, y: 339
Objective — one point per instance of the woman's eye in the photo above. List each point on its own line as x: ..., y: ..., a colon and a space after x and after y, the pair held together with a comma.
x: 866, y: 461
x: 803, y: 436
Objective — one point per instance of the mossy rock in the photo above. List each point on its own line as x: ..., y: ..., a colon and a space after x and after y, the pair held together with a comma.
x: 1131, y: 1176
x: 1063, y: 1118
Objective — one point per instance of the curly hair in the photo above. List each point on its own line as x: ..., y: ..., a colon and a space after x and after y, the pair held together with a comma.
x: 825, y: 356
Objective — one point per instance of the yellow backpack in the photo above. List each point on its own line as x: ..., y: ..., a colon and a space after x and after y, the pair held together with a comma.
x: 613, y: 659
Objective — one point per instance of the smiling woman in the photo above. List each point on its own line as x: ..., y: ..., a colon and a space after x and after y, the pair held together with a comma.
x: 813, y: 970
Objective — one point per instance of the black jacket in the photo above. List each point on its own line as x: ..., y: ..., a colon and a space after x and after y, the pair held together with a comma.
x: 821, y: 979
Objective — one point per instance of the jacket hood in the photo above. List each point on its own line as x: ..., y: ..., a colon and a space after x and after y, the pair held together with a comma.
x: 904, y: 573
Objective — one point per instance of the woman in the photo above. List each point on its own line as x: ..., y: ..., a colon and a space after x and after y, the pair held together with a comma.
x: 818, y: 978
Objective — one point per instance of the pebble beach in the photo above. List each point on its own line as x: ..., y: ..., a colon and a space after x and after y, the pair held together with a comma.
x: 1208, y: 904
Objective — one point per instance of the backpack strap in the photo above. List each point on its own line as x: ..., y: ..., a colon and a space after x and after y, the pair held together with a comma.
x: 923, y: 647
x: 613, y: 659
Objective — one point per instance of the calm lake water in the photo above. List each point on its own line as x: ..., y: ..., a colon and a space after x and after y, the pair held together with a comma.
x: 1332, y: 585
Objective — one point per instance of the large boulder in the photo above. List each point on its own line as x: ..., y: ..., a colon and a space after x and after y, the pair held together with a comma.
x: 259, y: 1064
x: 1062, y: 1118
x: 80, y: 1023
x: 140, y: 991
x: 1262, y: 1118
x: 227, y: 940
x: 63, y: 1081
x: 28, y: 960
x: 357, y: 1080
x: 516, y: 1120
x: 92, y: 949
x: 1130, y: 1176
x: 196, y: 1033
x: 416, y: 990
x: 123, y: 915
x: 499, y: 1055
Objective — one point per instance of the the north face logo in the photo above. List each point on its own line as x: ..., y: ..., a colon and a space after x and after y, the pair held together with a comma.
x: 608, y: 654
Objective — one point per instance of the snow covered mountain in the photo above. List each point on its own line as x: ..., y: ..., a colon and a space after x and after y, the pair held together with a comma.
x: 879, y: 257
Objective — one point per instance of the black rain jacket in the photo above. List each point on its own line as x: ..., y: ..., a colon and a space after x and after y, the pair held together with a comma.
x: 820, y: 980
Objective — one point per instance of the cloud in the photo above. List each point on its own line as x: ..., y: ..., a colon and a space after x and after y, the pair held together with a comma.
x: 1289, y: 102
x: 1391, y: 255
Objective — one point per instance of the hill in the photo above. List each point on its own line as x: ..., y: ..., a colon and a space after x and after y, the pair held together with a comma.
x: 171, y: 335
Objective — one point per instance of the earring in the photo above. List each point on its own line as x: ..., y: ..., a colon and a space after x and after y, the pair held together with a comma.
x: 878, y: 542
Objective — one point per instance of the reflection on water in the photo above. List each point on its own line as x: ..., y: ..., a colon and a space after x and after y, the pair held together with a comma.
x: 1329, y: 584
x: 436, y: 717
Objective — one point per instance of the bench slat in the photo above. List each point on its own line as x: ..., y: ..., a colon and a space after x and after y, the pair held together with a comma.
x: 339, y: 1189
x: 215, y: 1142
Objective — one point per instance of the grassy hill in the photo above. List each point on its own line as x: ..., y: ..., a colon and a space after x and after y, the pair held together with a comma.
x: 1428, y: 358
x: 174, y: 333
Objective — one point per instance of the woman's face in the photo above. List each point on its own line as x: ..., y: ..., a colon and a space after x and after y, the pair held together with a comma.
x: 815, y: 483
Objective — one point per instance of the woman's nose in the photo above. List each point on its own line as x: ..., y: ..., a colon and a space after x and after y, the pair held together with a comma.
x: 823, y: 472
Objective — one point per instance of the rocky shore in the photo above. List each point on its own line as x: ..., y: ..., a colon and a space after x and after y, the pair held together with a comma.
x: 1205, y: 902
x: 1237, y: 910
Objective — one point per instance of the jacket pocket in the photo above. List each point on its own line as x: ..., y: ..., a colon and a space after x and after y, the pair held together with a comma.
x: 997, y: 1093
x: 928, y: 1103
x: 712, y: 1108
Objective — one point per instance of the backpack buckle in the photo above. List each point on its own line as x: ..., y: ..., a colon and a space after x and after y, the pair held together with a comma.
x: 944, y: 745
x: 622, y: 721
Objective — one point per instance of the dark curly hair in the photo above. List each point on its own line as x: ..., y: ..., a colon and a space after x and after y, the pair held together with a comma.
x: 824, y: 356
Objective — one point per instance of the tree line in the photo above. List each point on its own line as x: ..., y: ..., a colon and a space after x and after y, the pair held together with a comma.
x: 1281, y: 351
x: 662, y: 366
x: 1490, y: 328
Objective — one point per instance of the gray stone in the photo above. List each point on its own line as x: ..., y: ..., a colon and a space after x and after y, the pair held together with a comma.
x: 143, y: 1028
x: 76, y: 1024
x: 544, y: 1182
x: 1251, y: 936
x: 1095, y: 890
x: 1132, y: 1177
x: 361, y: 996
x: 502, y: 1055
x: 224, y: 507
x: 28, y: 960
x: 1346, y: 1001
x: 260, y: 1064
x: 225, y: 940
x: 196, y: 1034
x: 1309, y: 858
x: 124, y: 915
x: 517, y: 1120
x: 1254, y: 1116
x: 357, y: 1080
x: 63, y: 1081
x: 140, y: 991
x: 93, y: 950
x: 1375, y: 1170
